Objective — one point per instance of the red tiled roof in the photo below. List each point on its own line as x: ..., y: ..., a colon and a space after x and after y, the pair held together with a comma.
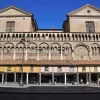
x: 50, y: 62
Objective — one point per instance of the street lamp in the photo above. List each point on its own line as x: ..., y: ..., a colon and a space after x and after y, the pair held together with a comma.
x: 23, y: 42
x: 2, y: 72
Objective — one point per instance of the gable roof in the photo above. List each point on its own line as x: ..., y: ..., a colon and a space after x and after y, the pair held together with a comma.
x: 17, y: 9
x: 87, y: 5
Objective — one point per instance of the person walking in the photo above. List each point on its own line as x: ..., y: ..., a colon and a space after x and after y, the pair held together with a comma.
x: 81, y: 81
x: 98, y: 80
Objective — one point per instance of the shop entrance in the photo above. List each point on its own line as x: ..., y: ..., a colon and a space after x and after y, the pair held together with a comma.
x: 33, y: 78
x: 59, y: 78
x: 70, y: 78
x: 46, y: 78
x: 83, y: 77
x: 10, y: 77
x: 18, y: 77
x: 94, y: 78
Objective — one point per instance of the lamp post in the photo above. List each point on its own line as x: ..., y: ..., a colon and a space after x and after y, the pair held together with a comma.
x: 2, y: 72
x: 23, y: 42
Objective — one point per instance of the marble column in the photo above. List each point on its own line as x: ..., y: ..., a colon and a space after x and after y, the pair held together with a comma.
x: 65, y: 77
x: 15, y: 78
x: 87, y: 78
x: 52, y: 77
x: 39, y: 78
x: 90, y: 78
x: 5, y: 77
x: 77, y: 78
x: 26, y: 78
x: 2, y: 78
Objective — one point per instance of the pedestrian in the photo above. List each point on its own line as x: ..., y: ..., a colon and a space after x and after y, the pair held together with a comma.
x: 99, y: 81
x: 81, y: 81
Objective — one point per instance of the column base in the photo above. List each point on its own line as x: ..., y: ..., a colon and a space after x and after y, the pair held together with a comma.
x: 76, y: 83
x: 87, y: 82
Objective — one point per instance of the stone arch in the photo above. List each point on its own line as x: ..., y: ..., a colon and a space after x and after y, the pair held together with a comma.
x: 82, y: 44
x: 55, y: 48
x: 67, y: 48
x: 32, y: 48
x: 8, y: 51
x: 8, y: 48
x: 95, y: 48
x: 81, y: 52
x: 44, y: 48
x: 20, y: 47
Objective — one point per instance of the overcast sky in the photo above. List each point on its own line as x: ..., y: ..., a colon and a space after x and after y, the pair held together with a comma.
x: 49, y: 12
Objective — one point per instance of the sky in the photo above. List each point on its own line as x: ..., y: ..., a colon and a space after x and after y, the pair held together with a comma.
x: 49, y: 12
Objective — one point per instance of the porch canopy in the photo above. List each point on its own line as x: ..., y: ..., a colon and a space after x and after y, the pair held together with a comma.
x: 51, y: 62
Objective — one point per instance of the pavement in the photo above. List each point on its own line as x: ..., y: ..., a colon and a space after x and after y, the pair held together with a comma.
x: 46, y: 88
x: 12, y: 85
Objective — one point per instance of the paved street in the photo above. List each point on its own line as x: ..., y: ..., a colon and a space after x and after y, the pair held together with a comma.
x: 49, y: 92
x: 45, y: 96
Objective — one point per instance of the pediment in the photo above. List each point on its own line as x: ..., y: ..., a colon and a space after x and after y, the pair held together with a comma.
x: 12, y: 11
x: 86, y: 10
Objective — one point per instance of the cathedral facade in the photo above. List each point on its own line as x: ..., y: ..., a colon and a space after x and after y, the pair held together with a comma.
x: 50, y: 55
